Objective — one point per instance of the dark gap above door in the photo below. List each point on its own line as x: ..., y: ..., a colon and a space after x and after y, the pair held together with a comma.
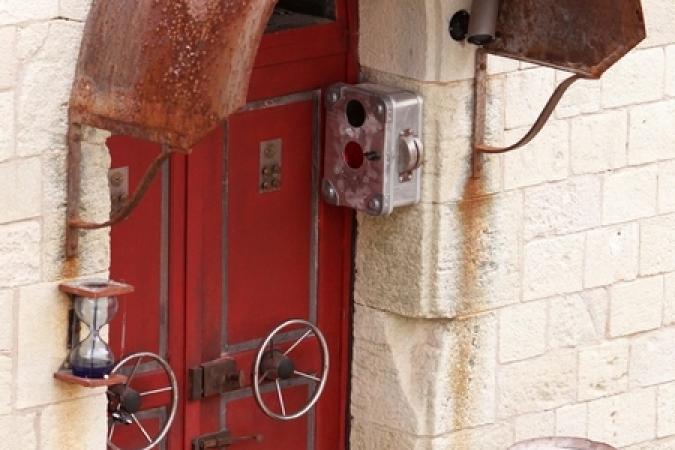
x: 301, y: 13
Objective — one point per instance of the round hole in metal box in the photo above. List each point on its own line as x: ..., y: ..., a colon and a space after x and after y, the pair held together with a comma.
x: 354, y: 155
x: 356, y: 113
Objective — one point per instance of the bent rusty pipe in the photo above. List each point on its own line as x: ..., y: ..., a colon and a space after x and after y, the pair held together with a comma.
x: 539, y: 124
x: 133, y: 201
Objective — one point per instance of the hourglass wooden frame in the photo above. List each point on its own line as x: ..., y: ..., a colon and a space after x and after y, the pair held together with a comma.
x: 91, y: 289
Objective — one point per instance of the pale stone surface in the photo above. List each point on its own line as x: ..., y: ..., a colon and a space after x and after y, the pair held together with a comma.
x: 497, y: 64
x: 74, y: 9
x: 30, y: 39
x: 95, y: 254
x: 537, y: 384
x: 612, y: 254
x: 563, y: 208
x: 623, y: 419
x: 456, y: 258
x: 403, y: 240
x: 19, y: 253
x: 571, y: 420
x: 636, y: 306
x: 603, y: 370
x: 546, y: 158
x: 18, y: 432
x: 368, y: 436
x: 527, y: 92
x: 657, y: 245
x: 20, y: 189
x: 662, y: 444
x: 400, y: 382
x: 670, y: 70
x: 659, y: 17
x: 5, y: 385
x: 653, y: 358
x: 446, y: 180
x: 598, y: 142
x: 413, y: 40
x: 478, y: 254
x: 6, y: 125
x: 579, y: 318
x: 553, y: 266
x: 630, y: 194
x: 669, y: 302
x: 8, y: 68
x: 535, y: 425
x: 665, y: 419
x: 23, y: 11
x: 75, y: 425
x: 652, y: 134
x: 499, y: 436
x: 6, y: 320
x: 39, y: 354
x: 637, y: 78
x: 522, y: 331
x: 667, y: 186
x: 45, y: 86
x: 584, y: 97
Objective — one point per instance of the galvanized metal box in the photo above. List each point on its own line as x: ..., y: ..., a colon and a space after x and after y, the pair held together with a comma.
x: 373, y: 150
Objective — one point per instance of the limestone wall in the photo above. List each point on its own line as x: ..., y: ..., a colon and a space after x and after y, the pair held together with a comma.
x: 539, y: 298
x: 39, y: 40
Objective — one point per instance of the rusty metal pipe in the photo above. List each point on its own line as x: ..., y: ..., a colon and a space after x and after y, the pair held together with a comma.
x: 133, y: 201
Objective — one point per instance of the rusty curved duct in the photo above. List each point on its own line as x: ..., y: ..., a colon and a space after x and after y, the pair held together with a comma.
x: 579, y: 36
x: 166, y: 70
x: 169, y: 71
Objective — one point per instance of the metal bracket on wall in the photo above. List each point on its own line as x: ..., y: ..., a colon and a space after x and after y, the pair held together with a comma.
x: 480, y: 105
x: 126, y: 207
x: 584, y: 38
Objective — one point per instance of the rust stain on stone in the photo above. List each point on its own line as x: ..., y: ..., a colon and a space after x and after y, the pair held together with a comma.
x: 70, y: 268
x: 473, y: 210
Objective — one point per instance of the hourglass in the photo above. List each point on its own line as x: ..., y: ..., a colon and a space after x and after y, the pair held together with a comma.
x: 94, y: 304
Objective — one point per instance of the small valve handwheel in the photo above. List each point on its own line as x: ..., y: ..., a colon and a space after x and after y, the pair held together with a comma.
x: 275, y: 365
x: 124, y: 402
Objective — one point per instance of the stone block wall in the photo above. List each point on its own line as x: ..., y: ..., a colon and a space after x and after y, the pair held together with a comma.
x: 39, y: 41
x: 537, y: 299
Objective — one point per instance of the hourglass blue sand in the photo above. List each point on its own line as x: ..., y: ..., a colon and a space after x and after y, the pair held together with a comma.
x: 95, y: 304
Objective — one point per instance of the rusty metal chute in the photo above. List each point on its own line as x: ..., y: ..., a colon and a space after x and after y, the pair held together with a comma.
x: 166, y: 70
x: 579, y: 36
x: 169, y: 71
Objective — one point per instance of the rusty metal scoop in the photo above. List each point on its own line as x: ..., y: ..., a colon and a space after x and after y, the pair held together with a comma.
x: 168, y: 71
x: 579, y: 36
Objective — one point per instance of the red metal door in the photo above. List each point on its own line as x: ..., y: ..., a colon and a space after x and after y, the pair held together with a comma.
x: 218, y: 262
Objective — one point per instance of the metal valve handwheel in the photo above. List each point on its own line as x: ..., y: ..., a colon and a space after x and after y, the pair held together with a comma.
x: 124, y: 402
x: 275, y: 365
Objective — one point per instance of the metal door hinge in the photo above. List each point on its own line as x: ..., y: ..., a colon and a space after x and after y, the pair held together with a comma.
x: 221, y: 440
x: 214, y: 378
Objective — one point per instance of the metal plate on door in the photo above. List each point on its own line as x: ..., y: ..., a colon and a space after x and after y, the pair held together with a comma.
x: 271, y: 153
